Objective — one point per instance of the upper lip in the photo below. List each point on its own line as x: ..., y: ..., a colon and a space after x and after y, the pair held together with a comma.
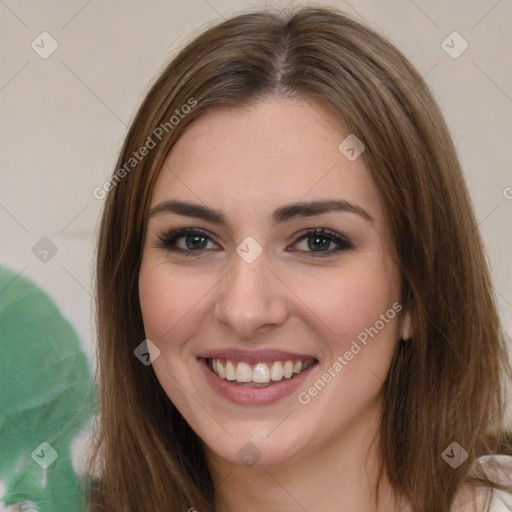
x: 254, y: 356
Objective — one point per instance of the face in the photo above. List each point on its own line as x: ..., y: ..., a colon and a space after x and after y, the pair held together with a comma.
x: 269, y: 283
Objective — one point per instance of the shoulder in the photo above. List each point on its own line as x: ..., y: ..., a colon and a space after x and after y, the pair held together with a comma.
x: 498, y: 468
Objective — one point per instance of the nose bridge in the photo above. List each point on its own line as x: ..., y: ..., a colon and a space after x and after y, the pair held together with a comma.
x: 250, y: 296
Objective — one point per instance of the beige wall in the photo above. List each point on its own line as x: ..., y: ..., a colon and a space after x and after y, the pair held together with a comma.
x: 64, y: 117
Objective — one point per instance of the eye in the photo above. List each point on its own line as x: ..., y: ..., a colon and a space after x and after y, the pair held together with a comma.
x: 194, y: 242
x: 319, y: 240
x: 189, y: 241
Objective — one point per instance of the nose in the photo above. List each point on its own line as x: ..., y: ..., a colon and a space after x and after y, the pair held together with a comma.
x: 251, y: 299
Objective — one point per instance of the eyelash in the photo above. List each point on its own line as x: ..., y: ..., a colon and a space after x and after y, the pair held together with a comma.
x: 168, y: 241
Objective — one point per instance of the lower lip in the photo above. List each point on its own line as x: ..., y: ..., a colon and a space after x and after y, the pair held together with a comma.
x: 246, y: 395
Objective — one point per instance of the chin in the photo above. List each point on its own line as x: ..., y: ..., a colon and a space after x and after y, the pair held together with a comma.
x: 252, y: 449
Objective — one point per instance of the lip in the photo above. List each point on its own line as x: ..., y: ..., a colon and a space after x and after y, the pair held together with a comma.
x: 254, y: 356
x: 245, y: 395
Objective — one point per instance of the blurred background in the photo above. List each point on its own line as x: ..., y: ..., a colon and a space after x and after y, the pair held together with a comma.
x: 73, y: 73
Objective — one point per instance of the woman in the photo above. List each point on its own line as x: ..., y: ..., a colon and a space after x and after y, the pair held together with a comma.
x: 288, y: 239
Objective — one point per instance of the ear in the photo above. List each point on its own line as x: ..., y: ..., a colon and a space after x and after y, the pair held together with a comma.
x: 407, y: 328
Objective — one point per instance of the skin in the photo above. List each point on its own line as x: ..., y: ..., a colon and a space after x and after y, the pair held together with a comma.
x: 246, y: 163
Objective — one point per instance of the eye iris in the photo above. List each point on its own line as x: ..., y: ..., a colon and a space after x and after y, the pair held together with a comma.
x: 195, y: 238
x: 318, y: 242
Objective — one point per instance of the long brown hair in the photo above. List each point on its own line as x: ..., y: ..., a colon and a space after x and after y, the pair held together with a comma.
x: 444, y: 384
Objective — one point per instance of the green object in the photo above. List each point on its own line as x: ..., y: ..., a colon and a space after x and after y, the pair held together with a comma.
x: 47, y: 395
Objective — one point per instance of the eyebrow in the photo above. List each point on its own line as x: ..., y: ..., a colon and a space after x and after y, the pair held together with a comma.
x: 280, y: 215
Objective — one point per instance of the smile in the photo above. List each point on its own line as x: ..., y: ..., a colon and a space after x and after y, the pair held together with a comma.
x: 261, y: 374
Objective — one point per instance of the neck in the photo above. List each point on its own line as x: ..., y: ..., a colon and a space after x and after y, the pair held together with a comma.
x: 342, y: 475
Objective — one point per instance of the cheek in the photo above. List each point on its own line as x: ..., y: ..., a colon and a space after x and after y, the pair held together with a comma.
x: 348, y: 301
x: 357, y: 319
x: 170, y: 302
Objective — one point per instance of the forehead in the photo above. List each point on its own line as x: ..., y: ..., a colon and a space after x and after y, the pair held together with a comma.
x: 274, y: 152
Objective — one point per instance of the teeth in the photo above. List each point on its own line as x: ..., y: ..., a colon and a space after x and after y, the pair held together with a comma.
x: 259, y: 373
x: 276, y: 372
x: 243, y: 373
x: 288, y: 369
x: 230, y: 370
x: 221, y: 371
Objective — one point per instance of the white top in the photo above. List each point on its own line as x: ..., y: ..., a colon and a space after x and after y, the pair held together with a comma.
x: 499, y: 469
